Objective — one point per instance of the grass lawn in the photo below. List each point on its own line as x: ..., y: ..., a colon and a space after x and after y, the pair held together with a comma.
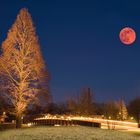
x: 65, y: 133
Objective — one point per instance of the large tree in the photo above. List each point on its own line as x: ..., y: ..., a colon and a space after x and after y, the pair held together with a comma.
x: 23, y: 72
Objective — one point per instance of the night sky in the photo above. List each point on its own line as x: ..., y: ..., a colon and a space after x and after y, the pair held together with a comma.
x: 81, y: 46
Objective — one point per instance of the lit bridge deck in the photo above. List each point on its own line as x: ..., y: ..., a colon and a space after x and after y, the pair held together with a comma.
x: 83, y: 121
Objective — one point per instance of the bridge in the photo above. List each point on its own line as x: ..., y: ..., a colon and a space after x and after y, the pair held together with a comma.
x: 83, y: 121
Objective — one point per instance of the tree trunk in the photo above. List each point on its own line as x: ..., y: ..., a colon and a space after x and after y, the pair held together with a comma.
x: 18, y: 121
x: 138, y: 120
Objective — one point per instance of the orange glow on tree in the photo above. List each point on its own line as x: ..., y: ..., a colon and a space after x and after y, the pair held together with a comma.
x: 22, y: 68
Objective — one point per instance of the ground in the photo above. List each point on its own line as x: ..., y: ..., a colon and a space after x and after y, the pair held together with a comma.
x: 66, y: 133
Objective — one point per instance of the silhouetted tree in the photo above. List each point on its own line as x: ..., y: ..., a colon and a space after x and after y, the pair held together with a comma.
x: 83, y: 104
x: 53, y: 108
x: 134, y: 109
x: 35, y: 109
x: 99, y: 108
x: 72, y: 106
x: 22, y: 69
x: 111, y: 110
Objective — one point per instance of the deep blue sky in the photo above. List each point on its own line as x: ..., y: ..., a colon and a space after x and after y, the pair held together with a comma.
x: 81, y: 46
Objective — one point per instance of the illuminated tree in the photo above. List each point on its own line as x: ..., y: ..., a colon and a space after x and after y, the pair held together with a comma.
x: 22, y: 69
x: 123, y: 114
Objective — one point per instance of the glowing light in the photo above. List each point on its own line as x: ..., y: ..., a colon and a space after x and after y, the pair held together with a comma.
x: 132, y: 118
x: 57, y: 125
x: 4, y: 113
x: 29, y: 124
x: 62, y: 117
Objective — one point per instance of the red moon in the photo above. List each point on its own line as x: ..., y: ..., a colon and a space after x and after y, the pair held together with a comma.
x: 127, y: 35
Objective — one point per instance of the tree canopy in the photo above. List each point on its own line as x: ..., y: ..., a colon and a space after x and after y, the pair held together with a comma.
x: 23, y: 73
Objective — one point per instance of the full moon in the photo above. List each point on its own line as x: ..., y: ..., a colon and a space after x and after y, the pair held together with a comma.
x: 127, y: 35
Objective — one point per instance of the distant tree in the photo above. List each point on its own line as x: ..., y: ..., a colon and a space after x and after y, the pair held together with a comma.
x: 59, y: 108
x: 35, y: 109
x: 134, y: 109
x: 83, y: 104
x: 52, y: 108
x: 123, y: 114
x: 23, y: 72
x: 71, y: 106
x: 99, y: 108
x: 62, y: 108
x: 110, y: 110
